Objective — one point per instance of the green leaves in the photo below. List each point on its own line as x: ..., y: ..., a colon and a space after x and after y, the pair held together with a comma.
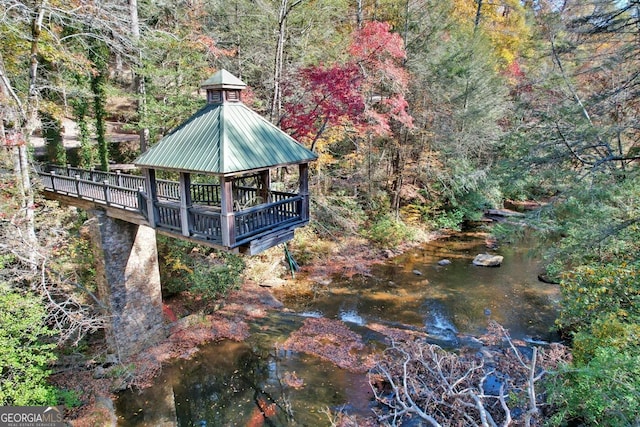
x: 25, y: 355
x: 604, y: 392
x: 596, y: 290
x: 205, y: 272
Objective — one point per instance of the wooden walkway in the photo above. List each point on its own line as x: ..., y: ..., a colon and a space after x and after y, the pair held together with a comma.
x: 126, y: 197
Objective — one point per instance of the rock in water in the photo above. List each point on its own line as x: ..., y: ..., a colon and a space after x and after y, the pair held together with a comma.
x: 486, y: 260
x: 444, y: 262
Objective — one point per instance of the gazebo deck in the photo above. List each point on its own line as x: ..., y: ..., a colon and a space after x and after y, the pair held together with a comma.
x: 256, y: 225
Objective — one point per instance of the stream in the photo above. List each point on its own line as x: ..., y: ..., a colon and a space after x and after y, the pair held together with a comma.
x: 229, y: 383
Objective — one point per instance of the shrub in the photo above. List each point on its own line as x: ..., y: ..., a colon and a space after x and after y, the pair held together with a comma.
x: 386, y: 231
x: 604, y: 392
x: 601, y: 305
x: 204, y: 271
x: 308, y: 247
x: 337, y: 214
x: 25, y: 356
x: 214, y: 276
x: 449, y: 220
x: 175, y: 266
x: 608, y: 331
x: 591, y: 291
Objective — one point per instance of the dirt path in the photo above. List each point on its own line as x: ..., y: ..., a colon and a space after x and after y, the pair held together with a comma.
x: 71, y: 139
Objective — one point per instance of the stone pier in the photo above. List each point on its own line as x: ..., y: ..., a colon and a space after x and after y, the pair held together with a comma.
x: 128, y: 279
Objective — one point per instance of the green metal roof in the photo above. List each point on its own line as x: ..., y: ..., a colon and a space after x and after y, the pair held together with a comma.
x: 225, y: 138
x: 223, y: 79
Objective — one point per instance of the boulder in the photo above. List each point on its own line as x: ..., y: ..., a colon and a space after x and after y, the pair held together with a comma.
x: 486, y: 260
x: 444, y: 262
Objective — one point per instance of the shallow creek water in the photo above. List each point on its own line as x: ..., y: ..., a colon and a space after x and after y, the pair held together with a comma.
x: 226, y: 383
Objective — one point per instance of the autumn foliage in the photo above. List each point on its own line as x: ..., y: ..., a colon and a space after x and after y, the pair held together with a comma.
x: 332, y: 341
x: 365, y: 93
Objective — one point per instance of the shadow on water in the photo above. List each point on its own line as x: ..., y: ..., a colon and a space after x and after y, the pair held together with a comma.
x: 246, y: 384
x: 243, y: 384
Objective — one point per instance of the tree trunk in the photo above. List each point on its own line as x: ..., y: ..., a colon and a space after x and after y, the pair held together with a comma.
x: 478, y: 15
x: 397, y: 172
x: 36, y: 28
x: 276, y: 101
x: 138, y: 79
x: 99, y: 107
x: 278, y: 62
x: 21, y: 156
x: 26, y: 224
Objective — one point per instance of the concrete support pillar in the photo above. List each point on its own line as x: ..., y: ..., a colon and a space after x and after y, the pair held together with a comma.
x: 128, y: 279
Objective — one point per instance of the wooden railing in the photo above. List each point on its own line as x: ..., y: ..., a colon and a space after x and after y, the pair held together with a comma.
x: 252, y: 221
x: 205, y: 224
x: 169, y: 190
x: 206, y: 194
x: 103, y: 191
x: 116, y: 179
x: 203, y: 219
x: 167, y: 216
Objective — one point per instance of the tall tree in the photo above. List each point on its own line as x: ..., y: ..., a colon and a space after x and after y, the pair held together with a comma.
x: 138, y: 80
x: 360, y: 100
x: 276, y: 103
x: 99, y: 56
x: 578, y: 104
x: 459, y: 100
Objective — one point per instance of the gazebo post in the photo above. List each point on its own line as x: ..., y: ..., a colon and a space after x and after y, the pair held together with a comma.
x: 185, y: 202
x: 227, y: 216
x: 152, y: 196
x: 303, y: 191
x: 265, y: 186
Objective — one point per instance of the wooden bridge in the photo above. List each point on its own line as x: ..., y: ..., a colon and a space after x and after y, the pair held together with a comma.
x: 222, y: 156
x: 252, y: 226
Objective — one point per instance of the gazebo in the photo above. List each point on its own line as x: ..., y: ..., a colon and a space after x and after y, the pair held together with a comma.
x: 224, y: 155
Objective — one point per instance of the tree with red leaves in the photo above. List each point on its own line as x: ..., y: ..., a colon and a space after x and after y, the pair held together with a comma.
x: 365, y: 93
x: 379, y: 54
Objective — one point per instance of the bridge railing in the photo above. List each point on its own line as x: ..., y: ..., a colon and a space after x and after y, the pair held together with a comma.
x: 203, y: 218
x: 116, y: 178
x: 88, y: 189
x: 206, y: 194
x: 257, y: 219
x: 205, y: 224
x: 167, y: 215
x: 142, y: 203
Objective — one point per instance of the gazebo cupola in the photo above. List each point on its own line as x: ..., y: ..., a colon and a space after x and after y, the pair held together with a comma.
x: 223, y: 87
x: 231, y: 150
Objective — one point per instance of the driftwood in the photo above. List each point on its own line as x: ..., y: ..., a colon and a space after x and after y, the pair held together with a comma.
x: 414, y: 379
